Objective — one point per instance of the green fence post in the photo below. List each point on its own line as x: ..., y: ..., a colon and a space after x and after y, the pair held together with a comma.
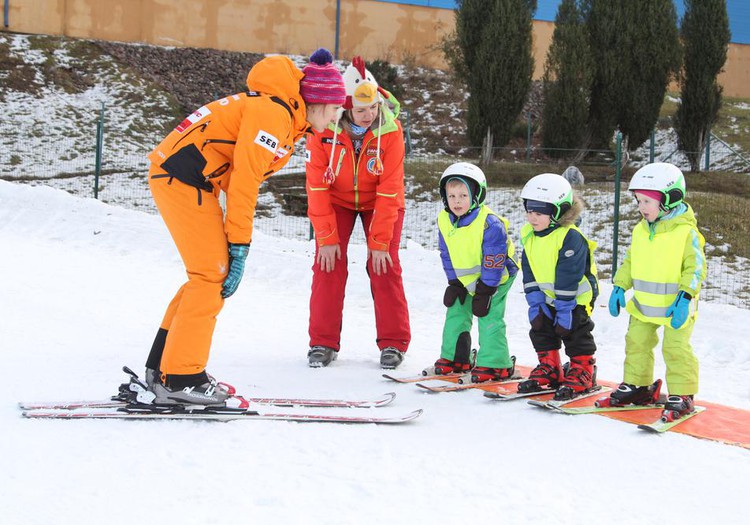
x: 652, y: 147
x: 618, y: 174
x: 708, y: 150
x: 99, y: 145
x: 528, y: 136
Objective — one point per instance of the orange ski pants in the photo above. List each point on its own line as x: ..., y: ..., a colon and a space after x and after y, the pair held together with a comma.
x: 195, y: 220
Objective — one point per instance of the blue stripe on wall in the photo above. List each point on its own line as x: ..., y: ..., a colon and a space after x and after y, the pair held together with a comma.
x: 739, y: 13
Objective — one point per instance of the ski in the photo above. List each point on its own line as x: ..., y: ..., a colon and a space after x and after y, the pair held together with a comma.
x: 598, y: 410
x: 426, y: 377
x: 468, y: 386
x: 660, y: 425
x: 556, y: 405
x: 384, y: 400
x: 510, y: 396
x: 216, y: 415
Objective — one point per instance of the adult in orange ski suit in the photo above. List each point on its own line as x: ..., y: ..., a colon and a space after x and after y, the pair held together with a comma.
x: 232, y: 144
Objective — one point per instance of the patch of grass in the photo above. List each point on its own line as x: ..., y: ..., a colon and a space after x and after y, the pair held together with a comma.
x: 721, y: 220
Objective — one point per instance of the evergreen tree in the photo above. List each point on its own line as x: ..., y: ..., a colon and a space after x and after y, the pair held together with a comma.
x: 568, y: 75
x: 494, y: 37
x: 705, y: 36
x: 636, y: 50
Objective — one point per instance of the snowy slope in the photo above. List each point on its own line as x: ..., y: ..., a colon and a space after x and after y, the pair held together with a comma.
x: 84, y: 286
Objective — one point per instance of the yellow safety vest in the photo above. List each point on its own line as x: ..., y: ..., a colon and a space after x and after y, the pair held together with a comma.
x: 655, y: 285
x: 542, y: 252
x: 465, y: 246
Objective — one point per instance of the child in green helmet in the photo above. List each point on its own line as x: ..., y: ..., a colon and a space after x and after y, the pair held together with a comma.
x: 477, y: 256
x: 665, y: 266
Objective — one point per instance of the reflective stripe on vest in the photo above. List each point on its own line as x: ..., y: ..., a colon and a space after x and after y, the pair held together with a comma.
x: 542, y: 254
x: 655, y: 286
x: 465, y: 246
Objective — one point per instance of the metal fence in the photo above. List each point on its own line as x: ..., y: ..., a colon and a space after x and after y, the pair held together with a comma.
x: 118, y: 177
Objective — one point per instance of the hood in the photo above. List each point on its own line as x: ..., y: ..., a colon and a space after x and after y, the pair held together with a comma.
x: 278, y: 76
x: 571, y: 216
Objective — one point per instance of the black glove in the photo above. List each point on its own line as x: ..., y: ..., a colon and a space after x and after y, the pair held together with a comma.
x: 455, y: 290
x: 480, y: 306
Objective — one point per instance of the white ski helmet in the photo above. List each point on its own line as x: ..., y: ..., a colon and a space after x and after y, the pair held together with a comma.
x: 663, y: 177
x: 470, y: 174
x: 552, y: 189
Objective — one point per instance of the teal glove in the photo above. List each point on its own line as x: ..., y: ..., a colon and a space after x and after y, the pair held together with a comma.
x: 616, y: 301
x: 237, y: 255
x: 679, y: 310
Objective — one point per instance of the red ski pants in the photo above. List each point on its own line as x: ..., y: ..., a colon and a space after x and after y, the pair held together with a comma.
x: 327, y: 298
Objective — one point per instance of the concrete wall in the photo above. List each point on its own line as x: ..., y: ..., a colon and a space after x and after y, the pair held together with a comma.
x: 395, y: 32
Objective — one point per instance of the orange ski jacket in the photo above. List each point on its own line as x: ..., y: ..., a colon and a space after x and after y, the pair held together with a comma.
x: 235, y: 143
x: 356, y: 185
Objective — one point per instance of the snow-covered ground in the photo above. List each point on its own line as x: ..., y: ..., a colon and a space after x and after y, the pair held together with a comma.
x: 84, y: 286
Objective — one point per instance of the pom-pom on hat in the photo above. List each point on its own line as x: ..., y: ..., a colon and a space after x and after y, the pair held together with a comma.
x: 322, y: 83
x: 361, y: 87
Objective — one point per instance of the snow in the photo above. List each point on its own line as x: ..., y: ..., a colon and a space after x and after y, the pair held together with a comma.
x: 84, y: 287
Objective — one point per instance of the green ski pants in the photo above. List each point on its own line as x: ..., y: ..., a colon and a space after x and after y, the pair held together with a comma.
x: 493, y: 344
x: 682, y: 365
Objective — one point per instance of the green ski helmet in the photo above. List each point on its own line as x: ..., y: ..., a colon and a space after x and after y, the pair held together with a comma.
x: 472, y: 176
x: 552, y: 189
x: 663, y: 177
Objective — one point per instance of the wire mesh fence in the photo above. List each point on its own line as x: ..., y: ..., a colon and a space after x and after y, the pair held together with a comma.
x: 69, y: 164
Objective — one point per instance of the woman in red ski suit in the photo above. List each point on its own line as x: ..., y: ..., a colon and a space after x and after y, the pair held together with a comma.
x: 355, y: 168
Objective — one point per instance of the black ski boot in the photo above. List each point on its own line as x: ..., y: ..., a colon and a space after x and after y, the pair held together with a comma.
x: 627, y: 394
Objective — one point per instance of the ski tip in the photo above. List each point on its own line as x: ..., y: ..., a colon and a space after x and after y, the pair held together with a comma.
x: 427, y: 388
x: 385, y: 399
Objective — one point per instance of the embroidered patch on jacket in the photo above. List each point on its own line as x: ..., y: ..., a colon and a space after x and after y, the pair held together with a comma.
x: 569, y: 253
x: 266, y: 140
x: 281, y: 152
x: 191, y: 119
x: 308, y: 155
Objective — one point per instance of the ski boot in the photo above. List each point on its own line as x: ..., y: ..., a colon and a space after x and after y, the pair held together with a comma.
x: 546, y: 375
x: 320, y: 356
x: 627, y: 394
x: 446, y: 366
x: 677, y: 407
x: 390, y: 357
x: 208, y: 392
x: 580, y: 377
x: 480, y: 374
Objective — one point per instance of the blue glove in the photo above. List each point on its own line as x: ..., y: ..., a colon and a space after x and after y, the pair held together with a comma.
x: 679, y: 310
x: 537, y: 308
x: 237, y: 256
x: 616, y: 301
x: 564, y: 316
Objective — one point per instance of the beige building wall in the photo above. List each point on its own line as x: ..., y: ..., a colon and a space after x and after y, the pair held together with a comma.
x: 394, y: 32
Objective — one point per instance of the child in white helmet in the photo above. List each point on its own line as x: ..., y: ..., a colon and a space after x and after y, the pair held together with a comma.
x: 477, y: 257
x: 665, y: 266
x: 559, y: 279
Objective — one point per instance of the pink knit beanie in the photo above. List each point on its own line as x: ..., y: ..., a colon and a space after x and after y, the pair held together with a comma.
x: 651, y: 194
x: 322, y: 84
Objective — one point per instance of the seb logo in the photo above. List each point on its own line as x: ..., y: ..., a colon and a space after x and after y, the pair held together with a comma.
x: 266, y: 140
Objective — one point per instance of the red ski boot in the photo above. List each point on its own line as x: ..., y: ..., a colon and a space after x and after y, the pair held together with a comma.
x: 546, y: 375
x: 480, y: 374
x: 446, y: 366
x: 579, y: 378
x: 677, y: 407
